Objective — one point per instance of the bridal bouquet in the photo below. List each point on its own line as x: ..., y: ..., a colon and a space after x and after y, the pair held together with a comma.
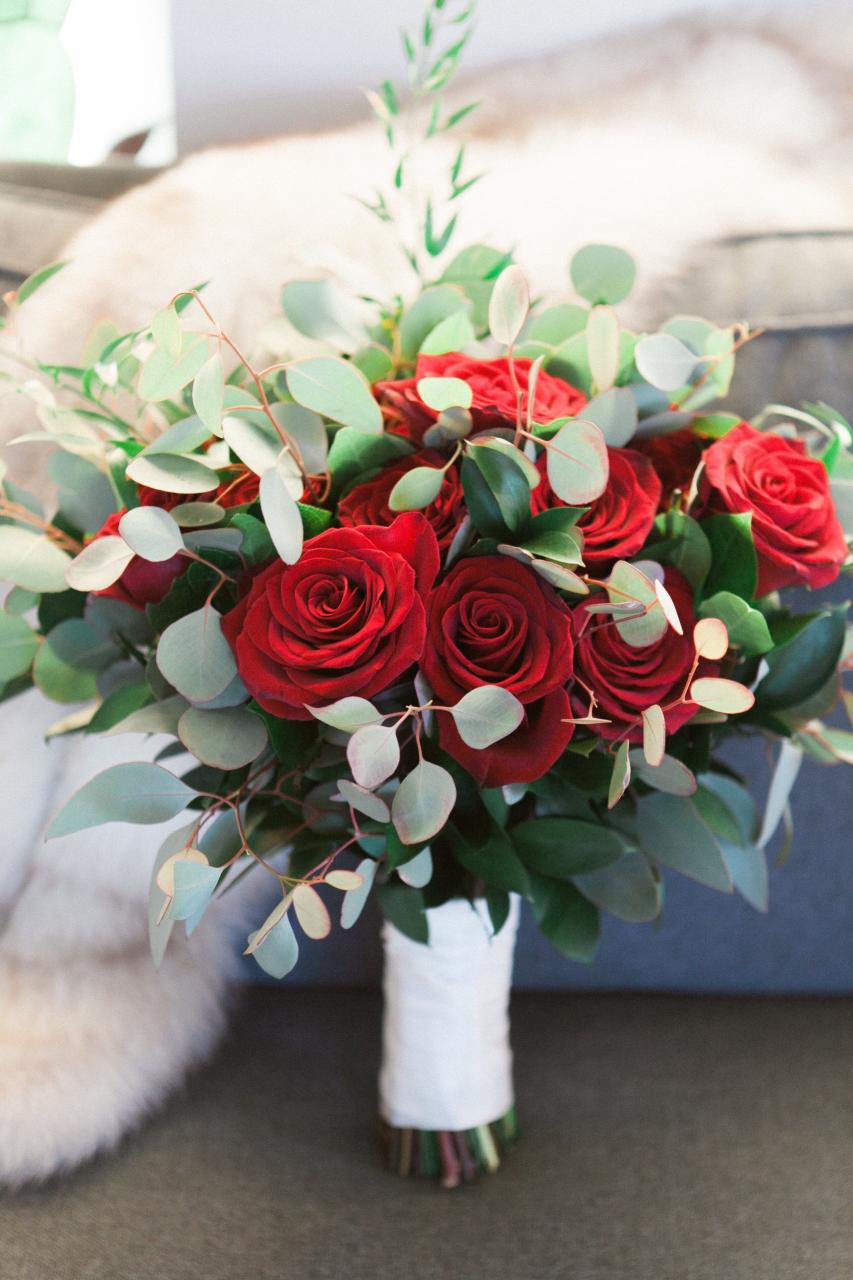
x: 457, y: 609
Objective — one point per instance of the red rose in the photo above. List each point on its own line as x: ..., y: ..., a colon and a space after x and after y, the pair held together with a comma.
x: 494, y: 402
x: 628, y: 678
x: 618, y: 523
x: 494, y: 621
x: 143, y: 581
x: 168, y: 501
x: 367, y: 503
x: 347, y: 619
x: 239, y: 489
x: 675, y: 458
x: 798, y: 539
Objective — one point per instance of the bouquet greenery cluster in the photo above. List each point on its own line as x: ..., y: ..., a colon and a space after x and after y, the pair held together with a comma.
x: 462, y: 605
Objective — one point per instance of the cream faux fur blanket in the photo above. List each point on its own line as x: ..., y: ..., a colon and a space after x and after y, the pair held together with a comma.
x: 657, y: 140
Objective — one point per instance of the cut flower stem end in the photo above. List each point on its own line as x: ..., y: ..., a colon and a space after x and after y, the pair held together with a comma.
x: 452, y: 1158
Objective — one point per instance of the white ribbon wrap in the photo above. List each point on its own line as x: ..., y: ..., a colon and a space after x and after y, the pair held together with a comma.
x: 446, y: 1058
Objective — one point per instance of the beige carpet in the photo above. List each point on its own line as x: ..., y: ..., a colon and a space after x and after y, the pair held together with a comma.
x: 664, y: 1139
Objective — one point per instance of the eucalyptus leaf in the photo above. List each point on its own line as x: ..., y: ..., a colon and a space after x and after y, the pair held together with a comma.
x: 274, y: 945
x: 373, y: 753
x: 209, y: 393
x: 337, y: 390
x: 322, y: 310
x: 139, y: 793
x: 628, y: 583
x: 308, y: 430
x: 311, y: 912
x: 509, y: 305
x: 556, y: 324
x: 159, y: 927
x: 283, y: 520
x: 614, y: 412
x: 620, y: 776
x: 99, y: 564
x: 31, y: 560
x: 602, y: 273
x: 423, y: 802
x: 254, y: 441
x: 577, y: 462
x: 151, y: 533
x: 194, y: 883
x: 195, y: 657
x: 426, y: 312
x: 347, y: 714
x: 417, y: 872
x: 354, y: 901
x: 664, y: 361
x: 454, y: 333
x: 18, y: 646
x: 726, y: 696
x: 163, y: 375
x: 445, y: 393
x: 182, y: 437
x: 171, y: 473
x: 166, y: 328
x: 671, y: 775
x: 485, y: 715
x: 602, y: 346
x: 225, y: 738
x: 364, y: 801
x: 416, y: 489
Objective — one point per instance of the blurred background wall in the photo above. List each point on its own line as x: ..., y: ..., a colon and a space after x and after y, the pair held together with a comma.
x: 82, y: 76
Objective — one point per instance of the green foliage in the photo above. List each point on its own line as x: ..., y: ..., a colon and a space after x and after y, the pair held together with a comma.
x: 35, y: 281
x: 672, y: 831
x: 497, y: 493
x: 628, y: 888
x: 353, y: 456
x: 747, y: 628
x: 567, y: 919
x: 491, y: 858
x: 567, y: 847
x: 799, y: 668
x: 734, y: 567
x: 679, y: 540
x: 404, y: 906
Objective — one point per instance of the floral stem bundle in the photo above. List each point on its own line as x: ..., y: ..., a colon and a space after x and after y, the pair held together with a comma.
x: 458, y: 608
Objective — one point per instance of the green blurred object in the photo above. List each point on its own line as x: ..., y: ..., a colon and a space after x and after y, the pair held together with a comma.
x: 37, y: 104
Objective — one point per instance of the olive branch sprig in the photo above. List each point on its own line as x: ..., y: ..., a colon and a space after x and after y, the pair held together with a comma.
x: 432, y: 54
